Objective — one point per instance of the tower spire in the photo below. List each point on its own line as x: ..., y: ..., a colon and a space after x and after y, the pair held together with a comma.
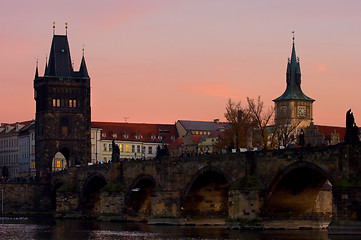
x: 36, y: 70
x: 293, y: 78
x: 66, y: 29
x: 53, y: 28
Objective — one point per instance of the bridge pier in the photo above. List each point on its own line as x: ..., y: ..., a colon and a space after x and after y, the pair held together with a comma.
x: 346, y: 210
x: 244, y: 204
x: 67, y: 203
x: 165, y: 207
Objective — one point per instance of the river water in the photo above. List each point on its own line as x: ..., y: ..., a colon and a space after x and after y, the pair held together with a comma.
x: 45, y: 228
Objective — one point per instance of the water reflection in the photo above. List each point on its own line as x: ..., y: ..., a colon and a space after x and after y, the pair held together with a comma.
x: 43, y: 228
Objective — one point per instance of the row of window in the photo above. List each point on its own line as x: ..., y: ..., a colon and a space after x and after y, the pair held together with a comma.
x: 126, y: 148
x: 72, y: 103
x: 8, y: 159
x: 138, y: 137
x: 201, y: 133
x: 9, y: 143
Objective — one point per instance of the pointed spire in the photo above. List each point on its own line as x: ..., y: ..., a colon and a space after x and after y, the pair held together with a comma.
x: 46, y: 65
x: 83, y: 69
x: 36, y: 71
x: 53, y: 28
x: 66, y: 29
x: 293, y: 78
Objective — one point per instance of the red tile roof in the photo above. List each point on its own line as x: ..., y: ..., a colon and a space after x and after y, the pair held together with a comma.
x: 328, y: 130
x: 144, y: 131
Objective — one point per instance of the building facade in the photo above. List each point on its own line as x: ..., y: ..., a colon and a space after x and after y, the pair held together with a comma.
x: 13, y: 150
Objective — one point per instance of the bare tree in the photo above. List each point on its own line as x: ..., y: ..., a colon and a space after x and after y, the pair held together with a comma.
x: 285, y: 130
x: 261, y: 118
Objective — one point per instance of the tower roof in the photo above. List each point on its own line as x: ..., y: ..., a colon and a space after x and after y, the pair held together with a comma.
x: 60, y: 64
x: 293, y: 79
x: 59, y: 59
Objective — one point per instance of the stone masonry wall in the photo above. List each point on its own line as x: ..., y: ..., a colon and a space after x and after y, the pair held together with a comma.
x: 24, y: 198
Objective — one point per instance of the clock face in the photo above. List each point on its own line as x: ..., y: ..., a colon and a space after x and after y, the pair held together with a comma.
x: 301, y: 111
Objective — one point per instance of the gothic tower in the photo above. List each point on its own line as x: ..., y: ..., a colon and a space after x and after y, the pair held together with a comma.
x: 293, y: 106
x: 62, y: 98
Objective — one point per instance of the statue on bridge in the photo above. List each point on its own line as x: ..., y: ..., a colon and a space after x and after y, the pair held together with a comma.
x: 352, y: 131
x: 115, y: 152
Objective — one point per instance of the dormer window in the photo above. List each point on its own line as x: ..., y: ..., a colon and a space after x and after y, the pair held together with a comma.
x: 152, y: 137
x: 104, y: 135
x: 172, y: 137
x: 115, y: 135
x: 126, y: 136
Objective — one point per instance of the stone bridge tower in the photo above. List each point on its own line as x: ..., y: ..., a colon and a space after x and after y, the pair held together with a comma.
x: 293, y: 106
x: 63, y: 120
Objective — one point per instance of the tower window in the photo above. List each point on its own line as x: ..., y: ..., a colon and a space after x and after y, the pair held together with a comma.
x: 56, y: 102
x: 72, y: 103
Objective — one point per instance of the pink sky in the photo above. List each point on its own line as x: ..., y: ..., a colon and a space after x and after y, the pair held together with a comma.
x: 160, y: 61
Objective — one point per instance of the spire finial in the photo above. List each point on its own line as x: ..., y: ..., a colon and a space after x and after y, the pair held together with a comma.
x: 293, y: 38
x: 83, y: 50
x: 66, y: 28
x: 36, y: 70
x: 53, y: 28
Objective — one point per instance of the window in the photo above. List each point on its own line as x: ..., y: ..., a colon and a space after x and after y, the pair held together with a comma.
x: 104, y: 147
x: 127, y: 148
x: 120, y: 147
x: 111, y: 147
x: 72, y: 103
x: 58, y: 164
x: 138, y: 148
x: 150, y: 149
x: 133, y: 148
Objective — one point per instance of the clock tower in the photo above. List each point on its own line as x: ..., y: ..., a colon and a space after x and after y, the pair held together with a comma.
x: 293, y: 106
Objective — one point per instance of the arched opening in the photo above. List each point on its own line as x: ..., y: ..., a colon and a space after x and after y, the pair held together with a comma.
x: 207, y: 197
x: 138, y: 202
x: 53, y: 194
x: 301, y: 193
x: 59, y: 162
x: 90, y: 201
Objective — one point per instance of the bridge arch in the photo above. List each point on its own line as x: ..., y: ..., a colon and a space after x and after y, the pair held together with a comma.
x: 138, y: 196
x: 206, y: 195
x: 90, y: 194
x: 301, y: 189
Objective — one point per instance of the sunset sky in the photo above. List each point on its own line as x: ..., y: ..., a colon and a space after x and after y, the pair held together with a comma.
x: 158, y: 61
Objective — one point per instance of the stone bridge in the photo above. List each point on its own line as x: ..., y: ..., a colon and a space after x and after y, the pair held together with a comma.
x: 299, y: 183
